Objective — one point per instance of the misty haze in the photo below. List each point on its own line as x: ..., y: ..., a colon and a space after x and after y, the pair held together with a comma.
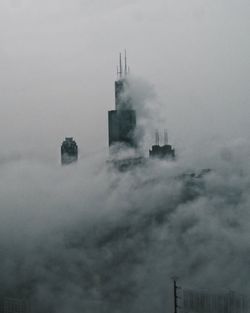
x: 125, y: 156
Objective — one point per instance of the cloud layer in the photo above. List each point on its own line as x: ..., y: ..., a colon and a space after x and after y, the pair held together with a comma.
x: 85, y: 237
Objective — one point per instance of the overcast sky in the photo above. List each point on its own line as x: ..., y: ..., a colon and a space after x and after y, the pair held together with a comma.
x: 58, y: 65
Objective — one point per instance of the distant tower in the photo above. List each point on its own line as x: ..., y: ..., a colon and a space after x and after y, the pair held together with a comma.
x: 162, y: 152
x: 122, y: 120
x: 69, y: 151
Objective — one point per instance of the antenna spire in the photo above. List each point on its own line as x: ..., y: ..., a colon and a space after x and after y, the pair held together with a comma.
x: 126, y: 67
x: 157, y: 138
x: 165, y: 137
x: 120, y: 66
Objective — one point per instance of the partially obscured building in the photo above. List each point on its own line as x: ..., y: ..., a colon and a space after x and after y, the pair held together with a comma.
x: 162, y: 152
x: 69, y: 151
x: 206, y: 302
x: 122, y: 120
x: 122, y: 125
x: 122, y: 128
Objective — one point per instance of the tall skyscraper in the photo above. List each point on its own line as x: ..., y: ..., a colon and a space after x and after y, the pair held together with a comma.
x: 122, y: 120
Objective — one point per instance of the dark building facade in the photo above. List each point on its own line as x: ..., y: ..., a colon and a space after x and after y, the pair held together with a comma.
x: 204, y: 302
x: 162, y: 152
x: 123, y: 99
x: 122, y: 120
x: 11, y: 305
x: 69, y: 151
x: 122, y: 124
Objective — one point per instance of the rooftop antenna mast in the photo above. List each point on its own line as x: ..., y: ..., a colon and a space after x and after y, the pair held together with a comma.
x: 126, y: 67
x: 157, y: 138
x: 120, y: 61
x: 165, y: 137
x: 176, y: 295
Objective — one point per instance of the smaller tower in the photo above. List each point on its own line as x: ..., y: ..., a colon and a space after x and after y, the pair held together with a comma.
x: 69, y: 151
x: 162, y: 152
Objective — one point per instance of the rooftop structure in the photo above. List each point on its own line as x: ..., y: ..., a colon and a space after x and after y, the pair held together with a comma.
x: 162, y: 152
x: 69, y: 151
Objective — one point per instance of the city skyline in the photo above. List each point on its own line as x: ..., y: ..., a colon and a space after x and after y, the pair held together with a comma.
x: 89, y: 237
x: 55, y: 58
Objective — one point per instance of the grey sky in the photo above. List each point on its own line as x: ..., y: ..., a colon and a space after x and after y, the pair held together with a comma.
x: 58, y: 62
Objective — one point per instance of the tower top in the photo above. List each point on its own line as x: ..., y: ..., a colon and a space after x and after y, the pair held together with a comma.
x: 122, y: 71
x: 157, y: 138
x: 165, y: 137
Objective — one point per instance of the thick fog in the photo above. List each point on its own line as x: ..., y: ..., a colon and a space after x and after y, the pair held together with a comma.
x: 87, y: 237
x: 84, y: 237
